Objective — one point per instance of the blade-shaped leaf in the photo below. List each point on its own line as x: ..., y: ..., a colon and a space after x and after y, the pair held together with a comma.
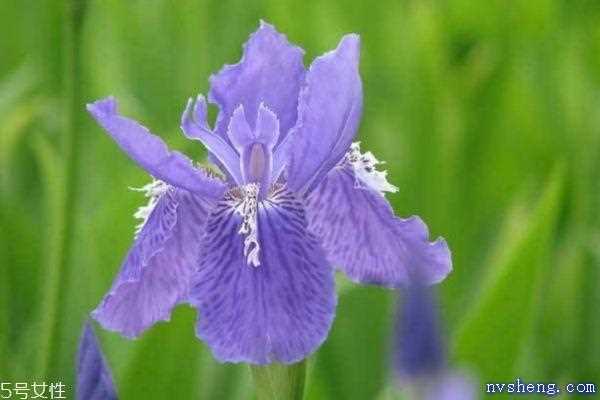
x: 53, y: 176
x: 494, y: 331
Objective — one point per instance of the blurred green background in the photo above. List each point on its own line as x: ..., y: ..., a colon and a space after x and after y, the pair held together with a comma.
x: 487, y: 113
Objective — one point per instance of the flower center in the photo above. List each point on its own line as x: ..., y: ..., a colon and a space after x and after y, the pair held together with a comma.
x: 247, y: 208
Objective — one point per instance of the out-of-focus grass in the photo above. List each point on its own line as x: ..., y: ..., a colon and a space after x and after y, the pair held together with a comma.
x: 475, y: 106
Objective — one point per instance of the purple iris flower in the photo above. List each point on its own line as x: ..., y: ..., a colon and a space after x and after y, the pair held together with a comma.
x: 253, y: 250
x: 419, y: 356
x: 94, y: 381
x: 420, y: 351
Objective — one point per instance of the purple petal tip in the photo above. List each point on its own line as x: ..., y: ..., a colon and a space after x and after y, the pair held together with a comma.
x: 349, y: 46
x: 443, y: 257
x: 106, y: 106
x: 94, y: 380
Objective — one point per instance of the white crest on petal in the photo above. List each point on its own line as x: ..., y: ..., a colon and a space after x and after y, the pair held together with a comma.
x: 365, y: 169
x: 247, y: 208
x: 153, y: 190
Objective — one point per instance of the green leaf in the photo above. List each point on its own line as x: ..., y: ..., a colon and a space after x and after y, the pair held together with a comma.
x: 4, y: 303
x: 54, y: 194
x: 563, y: 296
x: 492, y: 336
x: 16, y: 85
x: 279, y: 382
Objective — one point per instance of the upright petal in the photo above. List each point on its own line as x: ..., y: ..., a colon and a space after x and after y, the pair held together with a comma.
x: 195, y: 127
x: 282, y: 156
x: 270, y: 71
x: 266, y: 130
x: 94, y: 380
x: 155, y: 275
x: 151, y: 153
x: 363, y: 238
x: 329, y: 113
x: 277, y: 311
x: 239, y: 132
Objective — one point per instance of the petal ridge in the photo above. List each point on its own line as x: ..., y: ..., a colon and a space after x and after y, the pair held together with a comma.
x: 155, y: 274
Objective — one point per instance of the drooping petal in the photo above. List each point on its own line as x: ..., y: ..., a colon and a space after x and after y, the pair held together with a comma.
x: 151, y: 153
x: 94, y: 380
x: 363, y: 238
x: 277, y: 311
x: 329, y: 113
x: 270, y: 72
x: 155, y: 275
x: 195, y: 127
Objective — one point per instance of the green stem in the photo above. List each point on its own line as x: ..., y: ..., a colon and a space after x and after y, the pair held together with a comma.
x: 279, y: 382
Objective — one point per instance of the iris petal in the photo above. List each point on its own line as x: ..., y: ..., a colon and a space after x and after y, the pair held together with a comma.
x: 155, y: 275
x: 278, y: 311
x: 270, y: 72
x: 151, y: 153
x: 363, y: 237
x: 329, y: 113
x: 267, y: 127
x: 419, y: 349
x: 239, y: 132
x: 194, y: 126
x: 94, y: 380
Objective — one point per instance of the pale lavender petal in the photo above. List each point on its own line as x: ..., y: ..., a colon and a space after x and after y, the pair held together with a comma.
x: 270, y: 72
x: 155, y: 275
x: 239, y: 132
x: 194, y: 126
x: 363, y: 238
x: 151, y: 153
x: 267, y: 127
x: 278, y: 311
x: 94, y: 380
x: 329, y: 113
